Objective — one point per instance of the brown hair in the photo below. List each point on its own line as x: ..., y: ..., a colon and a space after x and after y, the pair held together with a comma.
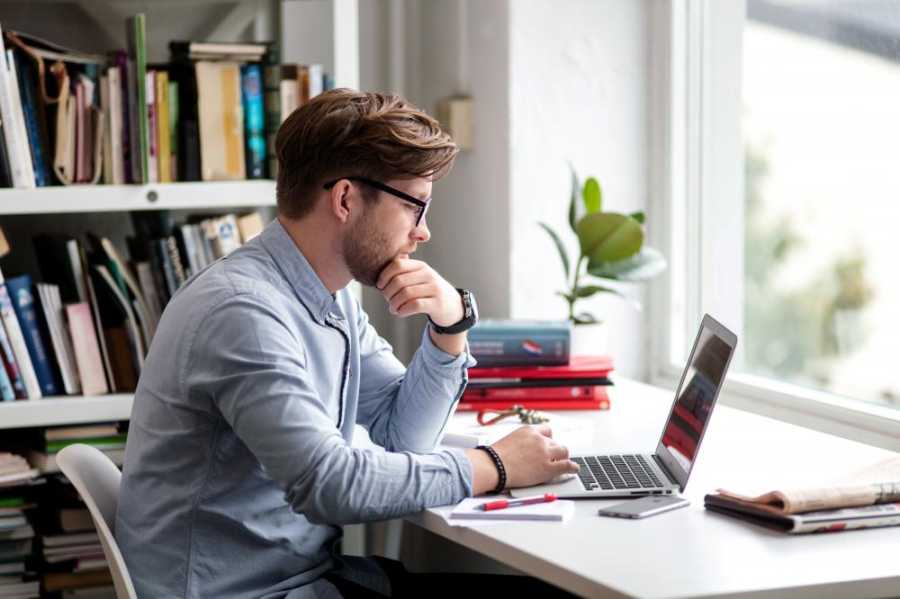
x: 344, y: 132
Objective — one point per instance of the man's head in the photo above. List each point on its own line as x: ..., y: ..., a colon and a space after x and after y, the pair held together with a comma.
x: 370, y: 160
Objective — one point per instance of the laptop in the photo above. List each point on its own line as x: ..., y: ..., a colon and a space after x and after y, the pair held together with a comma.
x: 666, y: 471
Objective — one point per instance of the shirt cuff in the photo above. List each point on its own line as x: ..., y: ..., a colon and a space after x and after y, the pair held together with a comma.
x: 464, y: 465
x: 437, y: 357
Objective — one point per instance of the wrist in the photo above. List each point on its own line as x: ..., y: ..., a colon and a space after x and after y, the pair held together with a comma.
x: 484, y: 473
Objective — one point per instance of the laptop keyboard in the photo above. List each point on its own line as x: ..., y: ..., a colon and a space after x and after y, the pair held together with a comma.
x: 609, y: 472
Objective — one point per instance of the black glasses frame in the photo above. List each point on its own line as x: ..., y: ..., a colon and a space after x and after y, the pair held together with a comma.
x: 422, y: 204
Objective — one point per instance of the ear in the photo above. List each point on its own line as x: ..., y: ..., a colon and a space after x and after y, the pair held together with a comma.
x: 341, y: 201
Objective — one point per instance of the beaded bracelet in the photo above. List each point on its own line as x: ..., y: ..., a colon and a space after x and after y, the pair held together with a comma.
x: 501, y: 469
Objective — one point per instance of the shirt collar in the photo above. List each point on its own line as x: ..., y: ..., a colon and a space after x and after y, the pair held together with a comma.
x: 299, y: 273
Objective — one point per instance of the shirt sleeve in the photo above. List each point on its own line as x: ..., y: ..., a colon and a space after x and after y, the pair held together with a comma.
x: 251, y: 366
x: 407, y: 409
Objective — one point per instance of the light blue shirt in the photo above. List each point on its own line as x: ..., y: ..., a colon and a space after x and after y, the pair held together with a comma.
x: 239, y: 467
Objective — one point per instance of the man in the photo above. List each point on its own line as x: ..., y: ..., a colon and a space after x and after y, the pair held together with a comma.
x: 239, y: 468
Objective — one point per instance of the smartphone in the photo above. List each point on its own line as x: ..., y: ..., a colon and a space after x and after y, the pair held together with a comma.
x: 645, y: 506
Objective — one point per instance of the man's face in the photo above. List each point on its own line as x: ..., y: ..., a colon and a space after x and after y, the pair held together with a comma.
x: 385, y: 229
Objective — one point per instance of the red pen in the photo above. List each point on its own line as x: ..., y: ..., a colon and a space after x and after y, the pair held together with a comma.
x: 502, y: 504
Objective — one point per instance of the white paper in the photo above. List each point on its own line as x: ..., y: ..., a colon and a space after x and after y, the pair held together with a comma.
x: 467, y: 512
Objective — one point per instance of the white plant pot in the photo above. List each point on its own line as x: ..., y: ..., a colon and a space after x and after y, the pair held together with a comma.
x: 590, y: 339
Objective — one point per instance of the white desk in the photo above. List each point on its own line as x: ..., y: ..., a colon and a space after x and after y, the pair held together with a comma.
x: 692, y: 552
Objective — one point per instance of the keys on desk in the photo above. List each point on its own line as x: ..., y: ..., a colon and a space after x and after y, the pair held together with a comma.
x: 615, y: 472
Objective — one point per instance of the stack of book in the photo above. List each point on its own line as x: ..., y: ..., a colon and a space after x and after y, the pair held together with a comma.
x: 16, y: 532
x: 211, y: 113
x: 86, y: 326
x: 47, y: 443
x: 70, y: 556
x: 527, y: 363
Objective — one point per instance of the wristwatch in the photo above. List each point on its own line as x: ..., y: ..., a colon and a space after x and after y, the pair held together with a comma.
x: 470, y: 316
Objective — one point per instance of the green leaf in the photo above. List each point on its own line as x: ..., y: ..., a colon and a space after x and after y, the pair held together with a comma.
x: 566, y: 296
x: 609, y: 236
x: 585, y: 318
x: 638, y: 216
x: 573, y: 198
x: 644, y: 265
x: 589, y: 290
x: 592, y: 195
x: 559, y: 247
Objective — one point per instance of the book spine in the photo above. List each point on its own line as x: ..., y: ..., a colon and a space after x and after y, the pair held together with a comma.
x: 14, y: 124
x: 17, y: 342
x: 10, y: 366
x: 273, y: 115
x: 30, y: 108
x: 88, y: 359
x: 534, y: 404
x: 174, y: 116
x: 20, y: 291
x: 254, y: 121
x: 161, y: 251
x: 538, y: 393
x: 6, y: 389
x: 152, y: 128
x: 164, y: 145
x: 137, y: 55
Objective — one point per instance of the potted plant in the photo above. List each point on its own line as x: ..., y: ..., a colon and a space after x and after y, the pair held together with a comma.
x: 610, y: 248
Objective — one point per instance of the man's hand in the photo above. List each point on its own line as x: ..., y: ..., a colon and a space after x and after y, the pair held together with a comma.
x: 412, y: 287
x: 530, y: 456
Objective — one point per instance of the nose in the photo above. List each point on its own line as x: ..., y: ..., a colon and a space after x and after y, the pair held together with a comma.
x: 421, y: 233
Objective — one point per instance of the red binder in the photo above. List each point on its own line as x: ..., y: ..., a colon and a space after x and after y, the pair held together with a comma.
x: 598, y: 400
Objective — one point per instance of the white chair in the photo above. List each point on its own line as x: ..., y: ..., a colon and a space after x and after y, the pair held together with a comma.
x: 97, y: 480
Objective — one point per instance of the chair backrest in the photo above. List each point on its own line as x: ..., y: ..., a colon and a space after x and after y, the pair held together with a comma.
x: 97, y: 480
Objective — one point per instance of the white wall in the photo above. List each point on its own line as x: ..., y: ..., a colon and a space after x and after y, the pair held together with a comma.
x: 552, y: 81
x: 579, y: 93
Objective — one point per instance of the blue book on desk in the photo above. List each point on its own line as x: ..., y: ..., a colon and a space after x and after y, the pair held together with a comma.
x: 20, y: 291
x: 495, y: 343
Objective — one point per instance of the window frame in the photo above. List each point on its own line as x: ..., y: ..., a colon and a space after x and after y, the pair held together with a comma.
x: 696, y: 207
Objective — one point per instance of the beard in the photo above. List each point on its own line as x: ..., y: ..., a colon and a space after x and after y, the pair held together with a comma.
x: 367, y: 251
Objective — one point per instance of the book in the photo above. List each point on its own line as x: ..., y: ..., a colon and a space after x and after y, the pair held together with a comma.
x: 45, y: 462
x: 35, y: 123
x: 578, y: 368
x: 525, y: 393
x: 13, y: 120
x: 221, y: 121
x: 163, y: 127
x: 520, y: 342
x: 61, y: 342
x: 20, y: 293
x: 250, y: 225
x: 10, y: 367
x: 7, y: 393
x: 86, y: 348
x: 536, y: 404
x: 17, y: 343
x: 116, y: 123
x: 152, y: 127
x: 254, y: 121
x: 136, y: 34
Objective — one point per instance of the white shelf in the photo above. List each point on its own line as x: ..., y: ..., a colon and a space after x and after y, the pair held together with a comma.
x: 65, y: 410
x: 123, y: 198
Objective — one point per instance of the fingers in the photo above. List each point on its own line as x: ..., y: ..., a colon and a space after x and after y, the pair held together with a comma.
x: 544, y: 429
x: 404, y: 281
x: 399, y: 265
x: 412, y: 300
x: 559, y: 452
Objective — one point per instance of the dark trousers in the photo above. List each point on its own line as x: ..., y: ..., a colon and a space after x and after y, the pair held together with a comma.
x: 406, y: 584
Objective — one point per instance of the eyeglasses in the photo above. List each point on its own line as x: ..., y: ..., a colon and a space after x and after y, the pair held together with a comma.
x: 422, y: 204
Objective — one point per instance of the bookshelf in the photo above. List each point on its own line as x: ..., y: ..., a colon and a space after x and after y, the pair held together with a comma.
x: 126, y: 198
x: 324, y: 31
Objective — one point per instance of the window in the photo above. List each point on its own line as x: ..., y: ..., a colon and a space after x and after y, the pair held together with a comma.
x: 783, y: 197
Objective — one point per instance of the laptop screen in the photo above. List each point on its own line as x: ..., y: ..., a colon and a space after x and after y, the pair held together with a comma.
x: 697, y: 392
